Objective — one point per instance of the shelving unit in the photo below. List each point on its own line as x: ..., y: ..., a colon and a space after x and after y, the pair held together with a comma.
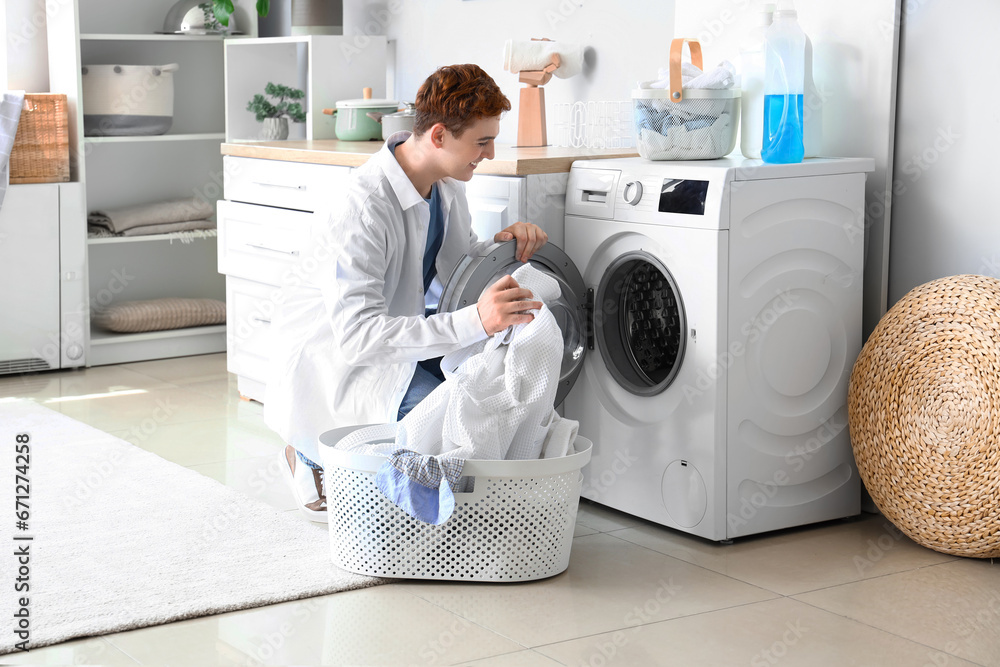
x: 327, y: 68
x: 128, y: 171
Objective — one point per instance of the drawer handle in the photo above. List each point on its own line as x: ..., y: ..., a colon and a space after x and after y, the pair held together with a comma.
x: 280, y: 185
x: 264, y: 247
x: 260, y: 319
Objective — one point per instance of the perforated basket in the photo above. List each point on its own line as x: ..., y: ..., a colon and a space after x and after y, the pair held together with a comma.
x: 515, y: 525
x: 683, y: 124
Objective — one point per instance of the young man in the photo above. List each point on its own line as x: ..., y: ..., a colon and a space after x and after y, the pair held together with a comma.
x: 359, y: 341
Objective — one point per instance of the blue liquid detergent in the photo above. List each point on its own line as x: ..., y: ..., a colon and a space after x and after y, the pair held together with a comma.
x: 782, y: 142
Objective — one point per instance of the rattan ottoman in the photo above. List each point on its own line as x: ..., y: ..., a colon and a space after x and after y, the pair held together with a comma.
x: 924, y: 404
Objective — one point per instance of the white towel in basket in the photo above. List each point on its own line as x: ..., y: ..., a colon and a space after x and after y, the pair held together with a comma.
x: 496, y: 403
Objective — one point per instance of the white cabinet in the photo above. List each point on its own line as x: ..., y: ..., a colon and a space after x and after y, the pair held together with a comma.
x: 263, y: 230
x: 120, y: 171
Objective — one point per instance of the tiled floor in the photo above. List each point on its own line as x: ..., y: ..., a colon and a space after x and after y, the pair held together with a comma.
x: 844, y: 593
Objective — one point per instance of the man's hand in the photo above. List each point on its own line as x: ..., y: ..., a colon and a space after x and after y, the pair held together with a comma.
x: 502, y: 305
x: 529, y: 237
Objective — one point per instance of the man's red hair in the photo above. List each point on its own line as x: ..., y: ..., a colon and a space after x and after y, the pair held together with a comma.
x: 457, y: 96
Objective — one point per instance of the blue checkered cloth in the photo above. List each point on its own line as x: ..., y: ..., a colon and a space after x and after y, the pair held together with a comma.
x: 421, y: 485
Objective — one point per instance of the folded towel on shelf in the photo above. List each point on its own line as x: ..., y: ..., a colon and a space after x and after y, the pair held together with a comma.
x: 10, y: 116
x: 144, y: 215
x: 97, y: 231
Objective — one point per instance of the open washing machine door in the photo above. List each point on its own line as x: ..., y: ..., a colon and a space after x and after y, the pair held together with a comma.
x: 474, y: 274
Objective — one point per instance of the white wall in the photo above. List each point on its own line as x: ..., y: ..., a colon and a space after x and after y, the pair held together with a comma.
x: 26, y: 52
x: 630, y: 41
x: 854, y: 56
x: 944, y: 218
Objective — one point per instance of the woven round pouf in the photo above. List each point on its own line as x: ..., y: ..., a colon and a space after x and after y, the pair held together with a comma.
x: 924, y: 415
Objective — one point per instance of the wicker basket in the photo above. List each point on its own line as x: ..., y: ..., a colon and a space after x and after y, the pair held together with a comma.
x: 924, y: 405
x: 41, y: 146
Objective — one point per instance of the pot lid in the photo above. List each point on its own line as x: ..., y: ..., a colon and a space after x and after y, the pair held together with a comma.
x: 367, y: 104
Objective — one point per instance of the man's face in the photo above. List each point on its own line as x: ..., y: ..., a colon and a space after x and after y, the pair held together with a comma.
x: 462, y: 154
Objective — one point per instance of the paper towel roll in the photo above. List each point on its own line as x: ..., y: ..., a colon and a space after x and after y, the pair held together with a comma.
x: 530, y: 56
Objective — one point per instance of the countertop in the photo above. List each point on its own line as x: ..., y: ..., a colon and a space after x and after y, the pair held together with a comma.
x: 509, y: 160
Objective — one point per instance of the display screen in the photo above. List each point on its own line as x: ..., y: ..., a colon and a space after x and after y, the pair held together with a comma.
x: 683, y: 196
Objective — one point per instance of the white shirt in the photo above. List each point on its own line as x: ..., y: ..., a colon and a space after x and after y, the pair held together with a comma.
x: 349, y: 333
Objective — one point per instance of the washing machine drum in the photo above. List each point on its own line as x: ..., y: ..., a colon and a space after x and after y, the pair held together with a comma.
x: 474, y: 274
x: 639, y: 323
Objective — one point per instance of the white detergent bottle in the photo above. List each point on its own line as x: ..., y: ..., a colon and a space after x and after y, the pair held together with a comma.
x: 784, y: 85
x: 812, y: 117
x: 752, y: 85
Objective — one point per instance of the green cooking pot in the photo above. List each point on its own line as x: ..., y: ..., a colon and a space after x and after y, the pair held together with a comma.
x: 353, y: 123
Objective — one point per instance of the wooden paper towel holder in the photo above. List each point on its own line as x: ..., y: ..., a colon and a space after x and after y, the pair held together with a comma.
x: 531, y: 109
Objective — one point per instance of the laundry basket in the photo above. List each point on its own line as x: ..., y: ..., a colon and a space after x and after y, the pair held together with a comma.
x: 516, y: 524
x: 681, y: 123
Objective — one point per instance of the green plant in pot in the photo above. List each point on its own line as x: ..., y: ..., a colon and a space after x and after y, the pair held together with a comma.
x: 275, y: 116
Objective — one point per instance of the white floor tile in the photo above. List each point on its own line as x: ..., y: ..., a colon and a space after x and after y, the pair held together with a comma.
x: 954, y: 607
x: 90, y: 651
x: 776, y: 632
x: 785, y: 562
x: 610, y: 584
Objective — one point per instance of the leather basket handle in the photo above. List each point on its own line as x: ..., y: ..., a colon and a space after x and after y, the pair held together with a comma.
x: 676, y: 51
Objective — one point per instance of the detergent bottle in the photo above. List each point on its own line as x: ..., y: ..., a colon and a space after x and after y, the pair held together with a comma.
x: 752, y: 84
x: 784, y: 85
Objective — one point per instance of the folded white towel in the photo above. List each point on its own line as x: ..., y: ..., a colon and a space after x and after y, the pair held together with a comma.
x: 720, y: 78
x: 560, y: 437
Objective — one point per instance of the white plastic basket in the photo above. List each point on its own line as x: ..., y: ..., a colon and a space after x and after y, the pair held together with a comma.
x: 682, y: 123
x: 702, y: 126
x: 515, y: 525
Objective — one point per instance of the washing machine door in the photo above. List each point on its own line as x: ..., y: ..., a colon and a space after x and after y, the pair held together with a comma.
x: 639, y: 323
x: 474, y: 274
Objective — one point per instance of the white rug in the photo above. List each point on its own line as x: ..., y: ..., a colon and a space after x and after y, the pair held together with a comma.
x: 123, y: 539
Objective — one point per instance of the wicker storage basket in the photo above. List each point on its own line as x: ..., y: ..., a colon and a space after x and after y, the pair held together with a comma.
x: 924, y: 413
x: 41, y: 146
x: 515, y: 525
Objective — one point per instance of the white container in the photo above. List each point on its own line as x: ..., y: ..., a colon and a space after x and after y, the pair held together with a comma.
x: 128, y: 100
x: 784, y: 88
x: 516, y: 524
x: 752, y: 85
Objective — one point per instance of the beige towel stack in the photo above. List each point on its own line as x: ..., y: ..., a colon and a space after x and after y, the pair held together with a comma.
x: 176, y: 215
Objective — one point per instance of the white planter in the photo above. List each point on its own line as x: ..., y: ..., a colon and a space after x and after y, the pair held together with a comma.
x: 274, y: 129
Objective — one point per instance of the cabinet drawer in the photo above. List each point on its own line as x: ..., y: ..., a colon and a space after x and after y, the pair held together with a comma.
x: 259, y: 242
x: 249, y: 307
x: 295, y: 185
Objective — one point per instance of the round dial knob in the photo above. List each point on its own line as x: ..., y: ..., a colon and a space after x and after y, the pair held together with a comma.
x: 74, y: 351
x: 633, y: 192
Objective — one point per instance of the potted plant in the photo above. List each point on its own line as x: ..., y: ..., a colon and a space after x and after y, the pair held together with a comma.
x: 275, y: 116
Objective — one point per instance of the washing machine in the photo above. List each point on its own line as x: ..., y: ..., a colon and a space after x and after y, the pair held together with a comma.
x: 711, y: 313
x: 725, y: 322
